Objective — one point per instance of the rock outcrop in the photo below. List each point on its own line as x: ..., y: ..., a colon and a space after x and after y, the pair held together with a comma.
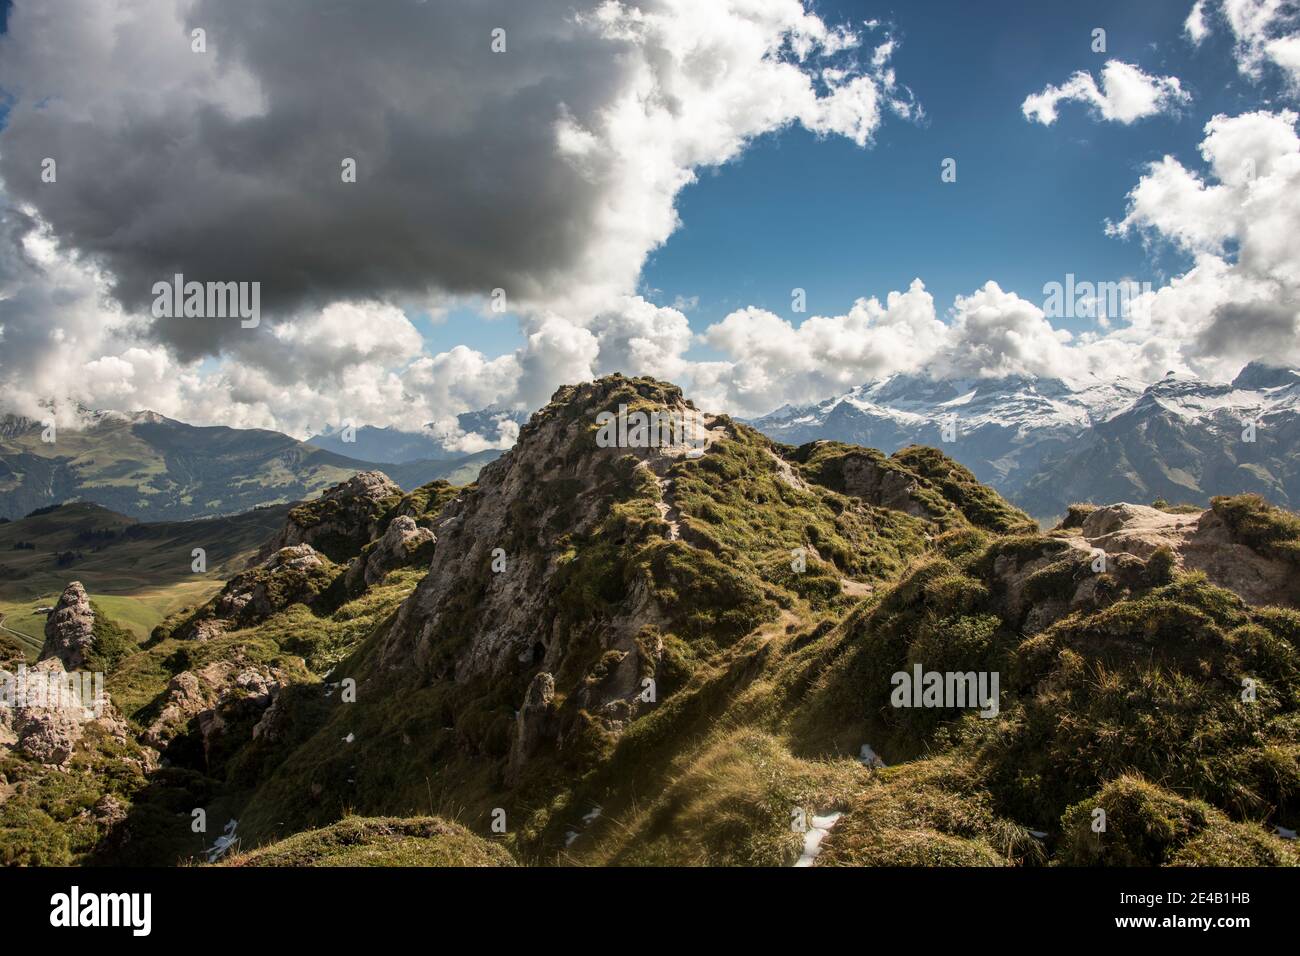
x: 209, y: 701
x: 52, y: 711
x: 888, y: 488
x: 403, y: 543
x: 340, y: 522
x: 296, y: 574
x: 70, y: 628
x: 1199, y: 542
x: 495, y: 587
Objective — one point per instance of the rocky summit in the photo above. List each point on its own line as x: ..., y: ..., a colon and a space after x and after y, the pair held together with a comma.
x: 651, y: 635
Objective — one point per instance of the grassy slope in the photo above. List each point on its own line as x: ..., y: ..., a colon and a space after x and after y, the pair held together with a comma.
x: 164, y: 469
x: 769, y: 721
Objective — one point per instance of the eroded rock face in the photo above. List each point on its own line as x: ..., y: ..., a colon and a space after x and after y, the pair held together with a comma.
x: 527, y: 500
x: 212, y: 699
x: 1057, y: 578
x: 292, y: 575
x: 284, y: 578
x: 500, y: 562
x: 340, y: 522
x: 1200, y: 542
x: 70, y: 628
x: 535, y: 724
x: 884, y: 487
x: 401, y: 543
x: 51, y: 717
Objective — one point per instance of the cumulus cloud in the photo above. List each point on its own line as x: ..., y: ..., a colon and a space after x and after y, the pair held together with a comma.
x: 1195, y: 26
x: 1264, y: 32
x: 549, y: 171
x: 1126, y: 95
x: 1238, y: 222
x: 1238, y: 301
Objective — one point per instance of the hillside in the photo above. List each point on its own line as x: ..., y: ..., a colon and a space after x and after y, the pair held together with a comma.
x: 690, y: 653
x: 153, y: 468
x: 141, y: 572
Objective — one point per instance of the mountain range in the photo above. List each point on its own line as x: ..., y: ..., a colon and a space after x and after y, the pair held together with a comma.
x: 1047, y: 443
x: 146, y: 466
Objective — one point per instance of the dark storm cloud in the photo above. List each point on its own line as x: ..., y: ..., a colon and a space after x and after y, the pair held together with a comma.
x: 1248, y: 331
x: 460, y: 187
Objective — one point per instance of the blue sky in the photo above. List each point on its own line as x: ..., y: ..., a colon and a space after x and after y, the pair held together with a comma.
x: 1030, y: 202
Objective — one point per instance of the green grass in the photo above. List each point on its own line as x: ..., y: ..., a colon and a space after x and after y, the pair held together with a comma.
x: 380, y: 841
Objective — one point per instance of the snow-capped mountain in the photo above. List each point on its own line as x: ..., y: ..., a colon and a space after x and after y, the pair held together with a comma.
x: 1045, y: 443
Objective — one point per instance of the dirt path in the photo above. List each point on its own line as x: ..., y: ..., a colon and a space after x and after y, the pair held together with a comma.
x: 856, y: 588
x: 666, y: 510
x: 26, y: 639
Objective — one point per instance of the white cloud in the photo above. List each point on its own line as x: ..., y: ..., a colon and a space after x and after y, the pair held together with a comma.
x: 1195, y: 26
x: 1264, y: 31
x: 1241, y: 298
x: 1126, y: 95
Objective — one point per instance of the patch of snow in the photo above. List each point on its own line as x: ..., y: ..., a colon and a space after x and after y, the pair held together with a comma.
x: 960, y: 400
x: 869, y: 758
x: 812, y: 840
x: 224, y: 842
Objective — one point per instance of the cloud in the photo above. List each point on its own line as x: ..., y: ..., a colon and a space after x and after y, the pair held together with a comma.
x: 1264, y: 32
x: 550, y: 170
x: 1126, y: 95
x: 1237, y: 221
x: 1195, y: 26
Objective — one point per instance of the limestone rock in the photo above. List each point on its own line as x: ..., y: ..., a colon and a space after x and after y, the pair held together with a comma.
x: 399, y: 546
x: 340, y: 522
x: 1200, y: 542
x: 535, y: 723
x: 877, y: 484
x: 70, y: 628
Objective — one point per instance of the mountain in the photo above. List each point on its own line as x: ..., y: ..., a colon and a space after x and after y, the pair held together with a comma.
x: 692, y: 651
x: 395, y: 446
x: 1183, y: 441
x: 1046, y: 443
x: 154, y: 468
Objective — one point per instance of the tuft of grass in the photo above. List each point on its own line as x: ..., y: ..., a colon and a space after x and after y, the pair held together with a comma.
x: 1146, y: 825
x: 380, y: 841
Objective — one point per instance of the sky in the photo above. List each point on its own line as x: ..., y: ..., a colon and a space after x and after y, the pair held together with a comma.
x: 646, y: 183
